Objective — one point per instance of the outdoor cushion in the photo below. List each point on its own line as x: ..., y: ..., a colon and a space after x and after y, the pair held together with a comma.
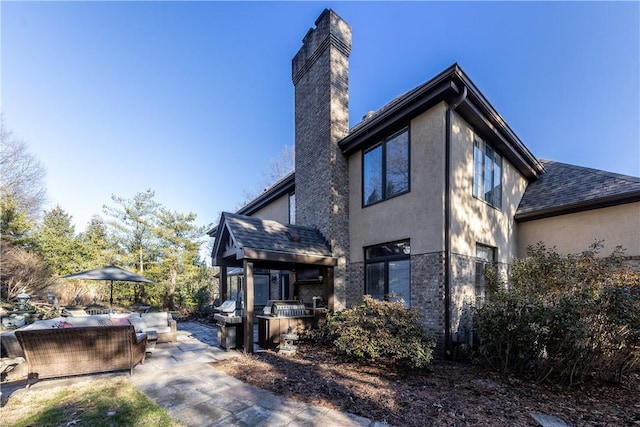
x: 162, y: 323
x: 137, y: 323
x: 120, y: 321
x: 153, y: 320
x: 87, y: 321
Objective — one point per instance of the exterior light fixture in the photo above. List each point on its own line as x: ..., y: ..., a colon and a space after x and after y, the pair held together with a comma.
x: 22, y: 299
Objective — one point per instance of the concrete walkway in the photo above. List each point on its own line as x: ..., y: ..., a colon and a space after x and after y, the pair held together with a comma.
x: 178, y: 377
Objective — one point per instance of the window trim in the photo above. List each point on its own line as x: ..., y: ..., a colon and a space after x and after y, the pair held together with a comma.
x: 484, y: 148
x: 383, y: 144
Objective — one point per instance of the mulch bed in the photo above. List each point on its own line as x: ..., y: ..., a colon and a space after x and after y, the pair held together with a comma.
x: 451, y: 394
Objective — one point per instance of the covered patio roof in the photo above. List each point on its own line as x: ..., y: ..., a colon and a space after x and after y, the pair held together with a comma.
x: 241, y: 237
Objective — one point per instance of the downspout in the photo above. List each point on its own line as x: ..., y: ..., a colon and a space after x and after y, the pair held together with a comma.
x: 447, y: 222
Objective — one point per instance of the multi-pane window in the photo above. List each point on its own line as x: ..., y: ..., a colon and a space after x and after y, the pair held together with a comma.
x: 485, y: 255
x: 487, y: 173
x: 388, y: 271
x: 292, y: 208
x: 386, y: 169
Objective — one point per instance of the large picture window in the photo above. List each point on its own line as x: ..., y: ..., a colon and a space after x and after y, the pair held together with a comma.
x: 386, y: 169
x: 487, y: 173
x: 388, y: 271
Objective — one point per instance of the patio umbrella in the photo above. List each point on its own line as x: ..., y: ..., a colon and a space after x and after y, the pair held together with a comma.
x: 110, y: 272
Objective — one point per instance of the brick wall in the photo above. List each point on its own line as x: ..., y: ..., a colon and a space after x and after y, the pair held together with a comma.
x: 427, y: 290
x: 427, y: 293
x: 320, y: 73
x: 356, y: 283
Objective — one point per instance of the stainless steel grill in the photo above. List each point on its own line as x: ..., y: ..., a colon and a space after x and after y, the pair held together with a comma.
x: 229, y: 318
x: 284, y: 308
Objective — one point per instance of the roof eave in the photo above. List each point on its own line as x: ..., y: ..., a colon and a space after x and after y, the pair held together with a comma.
x: 287, y: 257
x: 280, y: 188
x: 437, y: 89
x: 605, y: 202
x: 513, y: 148
x: 476, y: 110
x: 285, y: 186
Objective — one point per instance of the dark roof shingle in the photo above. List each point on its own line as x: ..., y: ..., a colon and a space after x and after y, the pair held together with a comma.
x: 565, y: 188
x: 265, y: 235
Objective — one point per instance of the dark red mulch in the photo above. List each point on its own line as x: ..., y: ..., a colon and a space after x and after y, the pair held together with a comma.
x: 452, y: 394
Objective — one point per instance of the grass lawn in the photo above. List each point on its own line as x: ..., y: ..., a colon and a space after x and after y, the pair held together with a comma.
x: 102, y: 402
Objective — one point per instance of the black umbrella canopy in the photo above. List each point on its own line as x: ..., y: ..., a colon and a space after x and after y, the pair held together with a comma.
x: 110, y: 272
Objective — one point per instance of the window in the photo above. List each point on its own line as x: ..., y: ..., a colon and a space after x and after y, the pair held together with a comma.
x: 260, y: 289
x: 386, y: 169
x: 292, y: 208
x: 234, y: 286
x: 388, y: 271
x: 487, y: 173
x: 485, y: 255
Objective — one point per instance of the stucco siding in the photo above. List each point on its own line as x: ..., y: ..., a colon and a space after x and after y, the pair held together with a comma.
x: 278, y: 210
x: 573, y: 233
x: 418, y: 214
x: 472, y: 220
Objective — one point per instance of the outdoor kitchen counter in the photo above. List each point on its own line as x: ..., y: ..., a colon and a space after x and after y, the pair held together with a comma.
x: 270, y: 327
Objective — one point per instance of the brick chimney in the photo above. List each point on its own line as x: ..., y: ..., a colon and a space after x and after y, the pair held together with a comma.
x: 320, y: 74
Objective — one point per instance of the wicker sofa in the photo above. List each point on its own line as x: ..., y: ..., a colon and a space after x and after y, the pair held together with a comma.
x: 59, y: 352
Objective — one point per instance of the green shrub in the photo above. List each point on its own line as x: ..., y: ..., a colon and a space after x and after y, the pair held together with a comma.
x: 380, y: 331
x: 572, y: 318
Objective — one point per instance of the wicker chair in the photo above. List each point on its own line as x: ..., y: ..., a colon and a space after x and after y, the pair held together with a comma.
x: 59, y: 352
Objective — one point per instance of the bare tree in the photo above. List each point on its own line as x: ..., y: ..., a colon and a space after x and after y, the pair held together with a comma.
x: 278, y: 168
x: 21, y: 174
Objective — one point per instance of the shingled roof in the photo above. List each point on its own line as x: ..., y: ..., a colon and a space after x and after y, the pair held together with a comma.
x: 245, y: 237
x: 565, y: 188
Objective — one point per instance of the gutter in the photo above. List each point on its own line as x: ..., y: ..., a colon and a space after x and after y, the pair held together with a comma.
x: 587, y: 205
x: 447, y: 221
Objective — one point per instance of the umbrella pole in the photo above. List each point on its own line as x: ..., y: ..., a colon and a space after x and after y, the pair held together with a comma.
x: 111, y: 298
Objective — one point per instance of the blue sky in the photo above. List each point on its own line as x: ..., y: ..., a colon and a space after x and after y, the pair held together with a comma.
x: 194, y: 99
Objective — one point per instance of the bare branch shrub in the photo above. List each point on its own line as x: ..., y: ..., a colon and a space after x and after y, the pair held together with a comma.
x: 21, y: 269
x: 568, y: 318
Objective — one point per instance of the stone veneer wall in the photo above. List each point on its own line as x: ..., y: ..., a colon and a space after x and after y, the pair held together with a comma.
x: 307, y: 291
x: 320, y: 72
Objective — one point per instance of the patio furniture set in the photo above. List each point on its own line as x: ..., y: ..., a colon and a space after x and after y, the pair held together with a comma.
x: 69, y: 346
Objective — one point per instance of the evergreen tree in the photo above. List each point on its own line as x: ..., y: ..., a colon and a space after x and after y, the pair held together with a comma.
x: 56, y: 241
x: 14, y: 223
x: 98, y: 248
x: 179, y: 260
x: 132, y: 226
